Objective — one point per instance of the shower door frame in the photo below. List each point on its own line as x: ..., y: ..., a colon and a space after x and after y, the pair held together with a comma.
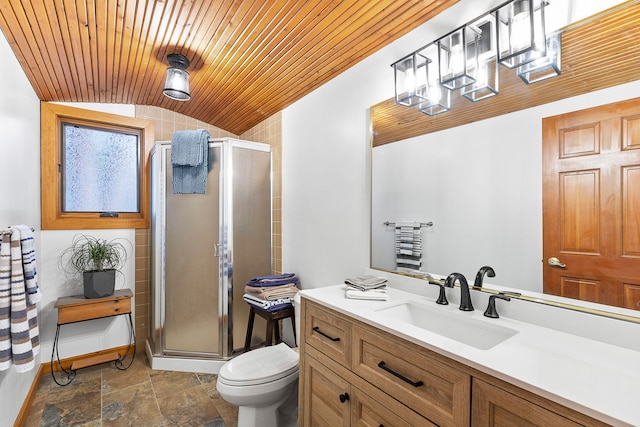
x: 225, y: 247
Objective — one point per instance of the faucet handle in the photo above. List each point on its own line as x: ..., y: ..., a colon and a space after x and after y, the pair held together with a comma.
x: 442, y: 298
x: 491, y: 307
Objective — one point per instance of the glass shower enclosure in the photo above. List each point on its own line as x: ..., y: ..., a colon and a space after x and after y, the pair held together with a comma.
x: 204, y: 248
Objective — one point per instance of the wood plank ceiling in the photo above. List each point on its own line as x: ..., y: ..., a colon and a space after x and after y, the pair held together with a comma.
x: 249, y: 59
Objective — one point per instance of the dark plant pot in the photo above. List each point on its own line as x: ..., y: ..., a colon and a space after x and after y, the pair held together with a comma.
x: 99, y: 284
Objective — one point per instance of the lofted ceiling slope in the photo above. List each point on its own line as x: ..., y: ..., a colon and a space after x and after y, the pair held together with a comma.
x: 249, y: 59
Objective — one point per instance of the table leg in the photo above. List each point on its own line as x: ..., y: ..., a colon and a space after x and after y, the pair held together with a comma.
x: 277, y: 331
x: 55, y: 355
x: 247, y: 340
x: 269, y: 332
x: 132, y: 343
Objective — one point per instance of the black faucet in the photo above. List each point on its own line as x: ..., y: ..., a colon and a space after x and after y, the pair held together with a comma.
x: 480, y: 276
x: 465, y: 296
x: 442, y: 297
x: 491, y: 307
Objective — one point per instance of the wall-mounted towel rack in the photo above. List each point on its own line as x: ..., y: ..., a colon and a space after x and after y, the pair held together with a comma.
x: 422, y: 224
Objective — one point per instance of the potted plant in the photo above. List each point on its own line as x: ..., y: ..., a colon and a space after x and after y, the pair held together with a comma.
x: 98, y: 260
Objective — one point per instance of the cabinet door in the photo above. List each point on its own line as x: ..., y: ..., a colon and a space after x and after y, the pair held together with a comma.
x: 327, y: 400
x: 493, y: 406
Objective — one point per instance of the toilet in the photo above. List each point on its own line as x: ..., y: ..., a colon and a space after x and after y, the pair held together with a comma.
x: 263, y: 383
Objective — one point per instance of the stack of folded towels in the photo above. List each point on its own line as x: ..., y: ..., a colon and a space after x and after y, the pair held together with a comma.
x: 271, y: 293
x: 367, y: 287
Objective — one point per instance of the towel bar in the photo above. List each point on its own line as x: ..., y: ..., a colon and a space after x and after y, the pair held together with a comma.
x: 422, y: 224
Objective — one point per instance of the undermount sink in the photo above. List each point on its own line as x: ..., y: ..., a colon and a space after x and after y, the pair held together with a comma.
x: 454, y: 325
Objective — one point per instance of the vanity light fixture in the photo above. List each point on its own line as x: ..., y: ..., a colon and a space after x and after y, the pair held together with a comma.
x: 458, y: 57
x: 438, y: 97
x: 177, y: 83
x: 487, y: 74
x: 411, y: 79
x: 545, y: 67
x: 521, y: 32
x: 467, y: 59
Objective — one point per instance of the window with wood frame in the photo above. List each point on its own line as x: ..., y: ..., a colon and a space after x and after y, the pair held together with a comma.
x: 94, y: 169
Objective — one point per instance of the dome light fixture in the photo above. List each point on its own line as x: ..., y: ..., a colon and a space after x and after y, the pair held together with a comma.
x: 177, y: 83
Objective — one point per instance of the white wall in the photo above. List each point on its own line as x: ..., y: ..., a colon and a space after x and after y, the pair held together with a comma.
x: 19, y: 190
x: 326, y: 161
x: 20, y: 204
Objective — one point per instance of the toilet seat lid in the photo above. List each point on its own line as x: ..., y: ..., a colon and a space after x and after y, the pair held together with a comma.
x: 260, y: 366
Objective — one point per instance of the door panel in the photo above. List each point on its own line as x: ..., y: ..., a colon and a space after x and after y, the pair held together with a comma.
x: 631, y: 211
x: 591, y: 204
x: 192, y: 285
x: 579, y: 211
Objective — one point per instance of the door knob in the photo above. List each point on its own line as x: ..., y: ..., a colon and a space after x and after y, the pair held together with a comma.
x: 555, y: 262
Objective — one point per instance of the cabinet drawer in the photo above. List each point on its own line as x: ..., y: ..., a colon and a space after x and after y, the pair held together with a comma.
x: 93, y: 310
x: 365, y: 412
x: 328, y: 332
x: 493, y: 406
x: 414, y: 377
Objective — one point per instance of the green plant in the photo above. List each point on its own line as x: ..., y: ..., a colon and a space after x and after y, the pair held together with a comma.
x: 88, y: 253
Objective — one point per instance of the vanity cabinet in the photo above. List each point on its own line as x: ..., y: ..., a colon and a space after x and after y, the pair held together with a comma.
x: 353, y: 374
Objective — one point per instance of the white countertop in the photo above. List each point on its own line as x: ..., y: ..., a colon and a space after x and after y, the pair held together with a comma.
x: 593, y: 377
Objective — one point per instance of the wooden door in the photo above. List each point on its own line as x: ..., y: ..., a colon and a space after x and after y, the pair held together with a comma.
x: 591, y: 204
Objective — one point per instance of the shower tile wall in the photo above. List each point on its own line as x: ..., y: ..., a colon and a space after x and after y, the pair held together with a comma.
x: 166, y: 123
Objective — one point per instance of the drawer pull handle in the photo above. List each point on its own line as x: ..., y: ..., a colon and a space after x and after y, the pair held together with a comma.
x: 382, y: 365
x: 317, y: 329
x: 344, y: 397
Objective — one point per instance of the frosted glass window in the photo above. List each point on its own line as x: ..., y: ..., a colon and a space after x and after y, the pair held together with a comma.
x: 100, y: 170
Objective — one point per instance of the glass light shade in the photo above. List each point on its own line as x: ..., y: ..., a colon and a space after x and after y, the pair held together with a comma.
x: 486, y: 84
x: 177, y: 84
x: 411, y: 79
x: 521, y: 32
x: 458, y: 57
x: 545, y: 67
x: 439, y: 100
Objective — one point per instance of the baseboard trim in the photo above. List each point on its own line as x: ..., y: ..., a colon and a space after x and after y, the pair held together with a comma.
x: 45, y: 369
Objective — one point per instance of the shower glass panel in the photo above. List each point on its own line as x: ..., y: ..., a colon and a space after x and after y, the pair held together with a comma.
x: 191, y: 278
x: 251, y: 233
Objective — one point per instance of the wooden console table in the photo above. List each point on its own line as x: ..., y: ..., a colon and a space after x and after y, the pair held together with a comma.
x: 77, y: 308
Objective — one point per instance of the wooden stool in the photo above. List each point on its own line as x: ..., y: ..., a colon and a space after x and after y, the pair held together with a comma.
x: 273, y: 324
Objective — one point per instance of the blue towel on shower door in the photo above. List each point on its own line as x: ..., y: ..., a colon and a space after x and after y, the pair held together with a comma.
x: 190, y: 161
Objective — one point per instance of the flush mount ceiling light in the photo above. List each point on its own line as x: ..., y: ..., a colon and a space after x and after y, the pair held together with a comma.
x: 466, y: 60
x: 177, y: 83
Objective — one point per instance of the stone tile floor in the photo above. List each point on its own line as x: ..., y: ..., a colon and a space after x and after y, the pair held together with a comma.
x: 103, y: 396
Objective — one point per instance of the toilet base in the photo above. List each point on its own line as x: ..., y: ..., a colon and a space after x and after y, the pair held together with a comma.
x: 283, y: 413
